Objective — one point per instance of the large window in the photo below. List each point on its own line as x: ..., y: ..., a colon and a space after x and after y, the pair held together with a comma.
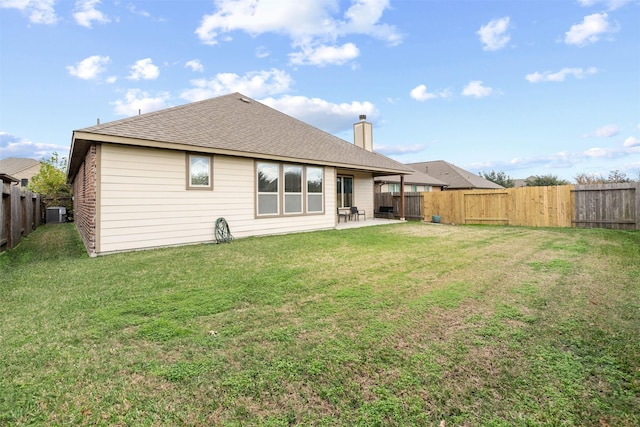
x: 199, y: 172
x: 314, y: 189
x: 292, y: 189
x: 268, y: 175
x: 301, y: 191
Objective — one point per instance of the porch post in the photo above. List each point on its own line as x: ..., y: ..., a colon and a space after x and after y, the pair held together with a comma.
x: 401, y: 197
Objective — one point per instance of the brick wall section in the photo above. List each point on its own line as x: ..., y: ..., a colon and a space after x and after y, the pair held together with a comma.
x: 84, y: 200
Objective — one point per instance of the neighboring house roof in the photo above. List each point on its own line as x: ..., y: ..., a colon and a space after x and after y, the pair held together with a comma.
x: 15, y: 165
x: 7, y: 178
x: 416, y: 177
x: 523, y: 182
x: 455, y: 177
x: 234, y: 125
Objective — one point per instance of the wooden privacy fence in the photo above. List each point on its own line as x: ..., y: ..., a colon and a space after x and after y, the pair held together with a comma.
x: 614, y: 206
x: 20, y: 213
x: 412, y: 203
x: 601, y: 205
x: 529, y: 206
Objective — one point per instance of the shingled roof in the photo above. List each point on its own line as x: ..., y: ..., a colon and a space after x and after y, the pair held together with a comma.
x: 15, y: 165
x: 234, y: 125
x: 455, y: 177
x: 415, y: 177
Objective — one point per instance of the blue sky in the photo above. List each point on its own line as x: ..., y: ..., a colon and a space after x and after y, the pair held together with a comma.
x: 525, y: 87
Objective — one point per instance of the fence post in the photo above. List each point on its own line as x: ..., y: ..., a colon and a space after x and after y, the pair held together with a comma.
x: 637, y: 196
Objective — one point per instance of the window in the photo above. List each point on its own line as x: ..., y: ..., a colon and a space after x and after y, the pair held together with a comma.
x: 301, y: 191
x: 199, y: 172
x: 268, y: 175
x: 314, y: 189
x: 394, y: 188
x: 344, y: 191
x: 292, y: 189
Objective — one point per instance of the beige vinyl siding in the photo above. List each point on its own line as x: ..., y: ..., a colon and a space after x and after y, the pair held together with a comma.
x: 144, y: 202
x: 363, y: 193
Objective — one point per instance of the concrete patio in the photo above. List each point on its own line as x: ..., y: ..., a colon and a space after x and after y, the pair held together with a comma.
x: 369, y: 222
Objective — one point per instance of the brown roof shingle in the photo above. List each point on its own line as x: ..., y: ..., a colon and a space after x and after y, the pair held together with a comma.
x: 14, y: 165
x: 239, y: 125
x: 455, y: 177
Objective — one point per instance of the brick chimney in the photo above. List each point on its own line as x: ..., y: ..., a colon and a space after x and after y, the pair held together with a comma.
x: 363, y: 133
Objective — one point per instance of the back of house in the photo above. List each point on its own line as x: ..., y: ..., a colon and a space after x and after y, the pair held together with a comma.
x: 163, y: 178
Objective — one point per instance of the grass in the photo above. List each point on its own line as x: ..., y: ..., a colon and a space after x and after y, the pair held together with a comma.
x: 410, y: 324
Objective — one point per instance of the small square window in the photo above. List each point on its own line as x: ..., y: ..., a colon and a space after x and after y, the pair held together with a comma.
x: 199, y: 172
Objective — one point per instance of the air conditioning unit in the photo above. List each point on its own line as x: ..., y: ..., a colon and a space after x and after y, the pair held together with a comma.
x: 56, y: 215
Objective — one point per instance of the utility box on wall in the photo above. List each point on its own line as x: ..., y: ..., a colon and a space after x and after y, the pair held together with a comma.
x: 56, y: 215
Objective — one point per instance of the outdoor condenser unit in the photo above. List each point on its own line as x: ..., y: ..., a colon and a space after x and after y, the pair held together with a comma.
x: 56, y: 215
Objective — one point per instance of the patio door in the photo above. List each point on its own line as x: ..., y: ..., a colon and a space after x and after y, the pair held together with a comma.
x: 344, y: 193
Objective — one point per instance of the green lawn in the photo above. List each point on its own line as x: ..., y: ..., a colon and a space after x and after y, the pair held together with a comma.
x: 407, y: 324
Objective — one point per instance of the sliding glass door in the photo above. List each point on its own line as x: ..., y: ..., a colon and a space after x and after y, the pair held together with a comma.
x: 344, y: 192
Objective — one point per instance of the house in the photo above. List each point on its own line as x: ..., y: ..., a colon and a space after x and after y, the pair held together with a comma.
x: 163, y: 178
x: 20, y: 168
x: 523, y: 182
x: 413, y: 182
x: 455, y: 178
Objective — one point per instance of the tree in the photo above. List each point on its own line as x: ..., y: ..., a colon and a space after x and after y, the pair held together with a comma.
x: 617, y: 176
x: 588, y: 179
x: 51, y: 181
x: 499, y: 178
x: 544, y: 181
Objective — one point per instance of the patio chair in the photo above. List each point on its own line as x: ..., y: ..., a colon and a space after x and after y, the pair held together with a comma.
x: 343, y: 214
x: 358, y: 213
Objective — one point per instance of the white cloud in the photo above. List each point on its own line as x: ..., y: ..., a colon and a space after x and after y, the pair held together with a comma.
x: 607, y: 131
x: 13, y: 146
x: 144, y: 69
x: 262, y: 52
x: 322, y: 114
x: 86, y: 13
x: 325, y: 55
x: 362, y: 18
x: 39, y: 11
x: 420, y: 93
x: 632, y: 142
x: 494, y: 35
x: 89, y: 68
x: 195, y: 65
x: 564, y: 159
x: 254, y: 84
x: 477, y: 89
x: 610, y: 4
x: 559, y: 76
x: 313, y: 27
x: 590, y: 30
x: 137, y: 100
